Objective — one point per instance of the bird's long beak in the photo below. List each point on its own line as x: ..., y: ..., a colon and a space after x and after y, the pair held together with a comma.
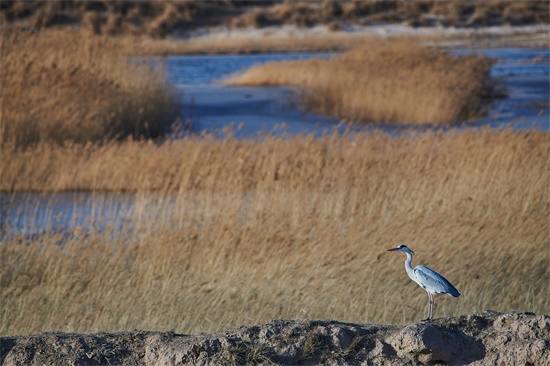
x: 398, y: 250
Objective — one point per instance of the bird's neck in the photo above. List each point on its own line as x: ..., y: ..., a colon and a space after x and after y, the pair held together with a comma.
x: 408, y: 265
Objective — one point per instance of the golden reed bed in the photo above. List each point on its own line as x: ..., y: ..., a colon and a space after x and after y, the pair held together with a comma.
x: 63, y: 86
x: 158, y: 19
x: 385, y: 81
x: 242, y: 232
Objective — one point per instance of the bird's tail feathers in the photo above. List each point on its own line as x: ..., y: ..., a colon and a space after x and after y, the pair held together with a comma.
x: 454, y: 292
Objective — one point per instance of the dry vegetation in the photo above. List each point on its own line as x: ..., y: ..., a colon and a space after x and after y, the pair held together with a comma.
x: 228, y: 232
x: 398, y: 81
x: 240, y: 232
x: 465, y: 13
x: 66, y: 86
x: 153, y: 18
x: 158, y: 19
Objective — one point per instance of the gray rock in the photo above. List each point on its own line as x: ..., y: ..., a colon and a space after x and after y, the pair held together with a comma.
x: 488, y: 338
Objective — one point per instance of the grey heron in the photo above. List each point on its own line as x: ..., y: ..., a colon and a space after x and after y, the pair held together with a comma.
x: 427, y: 278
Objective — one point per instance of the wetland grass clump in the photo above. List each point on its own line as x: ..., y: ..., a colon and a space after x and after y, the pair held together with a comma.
x: 394, y: 81
x: 244, y: 232
x: 60, y: 86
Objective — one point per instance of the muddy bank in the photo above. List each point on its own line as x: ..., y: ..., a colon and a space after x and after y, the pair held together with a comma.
x: 478, y: 339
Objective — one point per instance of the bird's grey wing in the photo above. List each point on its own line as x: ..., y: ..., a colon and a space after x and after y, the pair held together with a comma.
x: 434, y: 282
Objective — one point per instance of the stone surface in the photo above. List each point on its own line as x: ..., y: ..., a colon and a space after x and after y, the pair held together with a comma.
x: 488, y: 338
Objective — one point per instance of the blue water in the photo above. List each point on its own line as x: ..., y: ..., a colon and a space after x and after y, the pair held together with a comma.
x: 525, y: 75
x: 30, y: 214
x: 186, y: 71
x: 211, y: 106
x: 246, y: 111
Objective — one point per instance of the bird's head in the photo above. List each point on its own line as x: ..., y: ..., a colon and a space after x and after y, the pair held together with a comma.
x: 401, y: 248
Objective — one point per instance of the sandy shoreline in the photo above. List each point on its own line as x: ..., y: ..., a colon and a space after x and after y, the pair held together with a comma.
x: 350, y: 30
x: 320, y: 38
x: 224, y: 40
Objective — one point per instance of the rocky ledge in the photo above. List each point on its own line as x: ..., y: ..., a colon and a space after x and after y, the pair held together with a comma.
x: 488, y: 338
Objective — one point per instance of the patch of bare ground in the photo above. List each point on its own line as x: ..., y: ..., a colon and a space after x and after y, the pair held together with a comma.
x: 477, y: 339
x: 294, y: 39
x: 246, y: 45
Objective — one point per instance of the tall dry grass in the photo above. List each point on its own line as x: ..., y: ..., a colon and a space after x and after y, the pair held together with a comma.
x: 240, y: 232
x: 62, y: 86
x: 398, y: 81
x: 160, y: 18
x: 154, y: 18
x: 460, y: 13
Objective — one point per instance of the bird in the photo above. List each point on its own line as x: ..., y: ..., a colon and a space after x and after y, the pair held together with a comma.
x: 427, y: 278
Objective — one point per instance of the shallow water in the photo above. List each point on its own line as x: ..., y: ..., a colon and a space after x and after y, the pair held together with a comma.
x: 248, y: 111
x: 525, y: 74
x: 208, y: 69
x: 27, y: 215
x: 31, y: 214
x: 211, y: 107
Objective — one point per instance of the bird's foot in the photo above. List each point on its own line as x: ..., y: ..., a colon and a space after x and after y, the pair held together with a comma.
x: 427, y: 320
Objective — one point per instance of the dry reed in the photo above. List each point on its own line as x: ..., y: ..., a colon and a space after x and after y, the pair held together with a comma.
x: 64, y: 86
x: 161, y: 18
x: 398, y: 81
x: 241, y: 232
x: 416, y: 13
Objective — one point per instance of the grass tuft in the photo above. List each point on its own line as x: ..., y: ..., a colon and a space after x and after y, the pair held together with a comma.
x: 398, y: 81
x: 61, y: 86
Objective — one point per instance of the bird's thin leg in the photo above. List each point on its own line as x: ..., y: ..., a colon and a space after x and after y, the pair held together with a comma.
x: 430, y: 302
x: 431, y: 305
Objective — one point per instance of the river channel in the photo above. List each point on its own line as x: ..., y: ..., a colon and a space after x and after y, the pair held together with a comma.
x: 211, y: 106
